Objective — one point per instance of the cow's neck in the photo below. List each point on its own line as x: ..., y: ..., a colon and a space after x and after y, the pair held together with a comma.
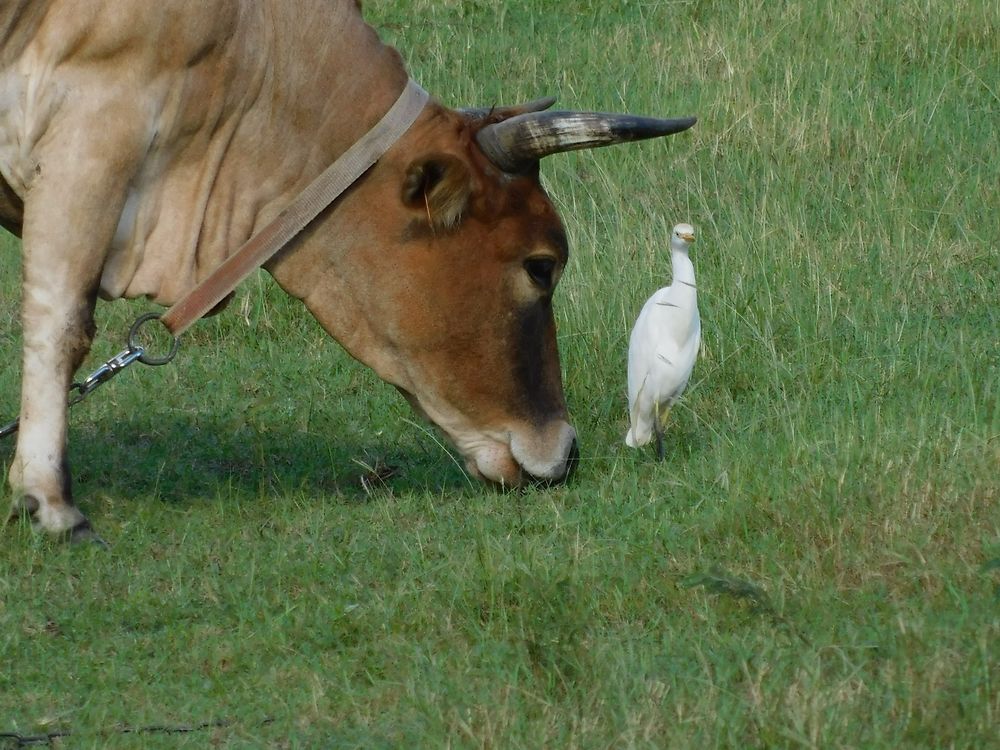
x: 330, y: 80
x: 300, y: 82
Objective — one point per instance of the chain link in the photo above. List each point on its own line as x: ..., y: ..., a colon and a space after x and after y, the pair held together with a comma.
x: 9, y: 429
x: 104, y: 373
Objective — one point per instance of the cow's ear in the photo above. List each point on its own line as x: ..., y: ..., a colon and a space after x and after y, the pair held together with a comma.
x: 439, y: 186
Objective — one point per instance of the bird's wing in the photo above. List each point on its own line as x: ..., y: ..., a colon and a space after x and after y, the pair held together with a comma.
x: 671, y: 378
x: 643, y: 333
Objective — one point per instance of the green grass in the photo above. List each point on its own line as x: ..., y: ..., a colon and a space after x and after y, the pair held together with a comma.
x: 816, y: 564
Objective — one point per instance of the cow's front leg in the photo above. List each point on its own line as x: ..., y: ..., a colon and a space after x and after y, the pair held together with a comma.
x: 71, y: 212
x: 58, y: 328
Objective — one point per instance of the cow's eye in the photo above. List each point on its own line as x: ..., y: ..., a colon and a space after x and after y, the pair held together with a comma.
x: 541, y: 271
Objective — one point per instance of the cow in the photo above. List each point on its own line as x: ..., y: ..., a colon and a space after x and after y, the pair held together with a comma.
x: 142, y: 142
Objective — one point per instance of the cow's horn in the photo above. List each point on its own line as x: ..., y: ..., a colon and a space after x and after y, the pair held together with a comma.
x: 535, y: 105
x: 515, y: 144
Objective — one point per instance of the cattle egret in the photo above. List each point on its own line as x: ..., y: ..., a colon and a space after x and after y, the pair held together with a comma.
x: 663, y: 347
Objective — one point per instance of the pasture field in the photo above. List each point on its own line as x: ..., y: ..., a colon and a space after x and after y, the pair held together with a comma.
x: 816, y: 564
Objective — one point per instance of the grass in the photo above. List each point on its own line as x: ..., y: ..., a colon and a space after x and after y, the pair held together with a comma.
x: 816, y: 565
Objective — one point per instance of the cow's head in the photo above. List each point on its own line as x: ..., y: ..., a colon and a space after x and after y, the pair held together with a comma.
x: 438, y: 271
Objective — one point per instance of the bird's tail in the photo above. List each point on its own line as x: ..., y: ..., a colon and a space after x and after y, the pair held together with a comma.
x: 638, y: 433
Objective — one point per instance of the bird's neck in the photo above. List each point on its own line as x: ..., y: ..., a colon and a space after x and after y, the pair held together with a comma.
x: 683, y: 270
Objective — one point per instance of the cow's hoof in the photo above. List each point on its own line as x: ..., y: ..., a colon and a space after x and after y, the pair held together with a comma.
x: 83, y: 533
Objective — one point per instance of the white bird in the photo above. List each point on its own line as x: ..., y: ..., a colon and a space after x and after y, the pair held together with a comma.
x: 663, y: 347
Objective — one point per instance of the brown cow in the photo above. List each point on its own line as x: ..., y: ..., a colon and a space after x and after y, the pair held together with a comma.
x: 142, y: 142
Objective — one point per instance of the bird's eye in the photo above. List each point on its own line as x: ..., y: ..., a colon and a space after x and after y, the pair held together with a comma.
x: 541, y: 271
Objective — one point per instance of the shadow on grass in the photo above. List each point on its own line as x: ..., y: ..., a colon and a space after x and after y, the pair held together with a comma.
x: 180, y: 460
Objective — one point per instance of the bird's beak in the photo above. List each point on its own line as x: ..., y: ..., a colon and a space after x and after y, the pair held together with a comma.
x: 686, y: 237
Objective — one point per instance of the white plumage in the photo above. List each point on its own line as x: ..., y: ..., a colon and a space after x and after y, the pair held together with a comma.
x: 663, y: 347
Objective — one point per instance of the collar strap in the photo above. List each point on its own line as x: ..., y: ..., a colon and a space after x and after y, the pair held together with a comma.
x: 320, y: 193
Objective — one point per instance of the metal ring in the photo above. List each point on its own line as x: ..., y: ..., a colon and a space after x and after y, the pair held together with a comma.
x: 146, y: 359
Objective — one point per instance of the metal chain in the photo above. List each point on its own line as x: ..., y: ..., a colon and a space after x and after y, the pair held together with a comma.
x: 104, y: 373
x: 109, y: 369
x: 52, y: 739
x: 9, y: 429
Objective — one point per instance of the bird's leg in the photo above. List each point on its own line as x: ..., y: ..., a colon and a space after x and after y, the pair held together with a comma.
x: 659, y: 427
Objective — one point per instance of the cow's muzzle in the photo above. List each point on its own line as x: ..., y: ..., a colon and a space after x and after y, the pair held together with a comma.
x: 569, y: 467
x: 532, y: 457
x: 521, y: 456
x: 548, y: 455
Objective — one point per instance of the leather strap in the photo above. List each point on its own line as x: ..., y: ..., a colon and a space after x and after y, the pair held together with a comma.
x: 320, y: 193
